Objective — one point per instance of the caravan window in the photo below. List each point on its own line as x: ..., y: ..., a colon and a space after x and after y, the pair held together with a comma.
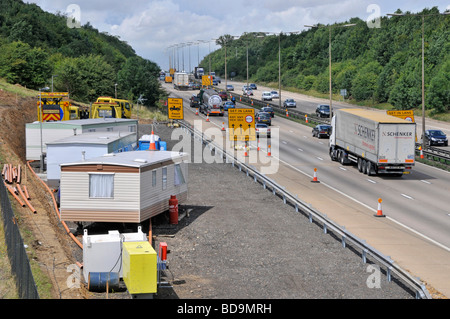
x: 153, y: 178
x: 164, y: 178
x: 179, y: 178
x: 101, y: 185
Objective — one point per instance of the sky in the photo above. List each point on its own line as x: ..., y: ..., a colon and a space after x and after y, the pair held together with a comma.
x: 152, y: 26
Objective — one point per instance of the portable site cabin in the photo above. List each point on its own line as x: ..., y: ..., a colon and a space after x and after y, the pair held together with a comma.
x: 125, y: 187
x: 85, y: 146
x: 52, y: 131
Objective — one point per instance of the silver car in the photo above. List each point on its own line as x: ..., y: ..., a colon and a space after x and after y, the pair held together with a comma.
x: 289, y: 103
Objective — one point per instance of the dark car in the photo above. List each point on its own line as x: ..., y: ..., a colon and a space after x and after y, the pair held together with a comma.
x: 321, y: 130
x: 435, y: 137
x: 289, y: 103
x: 253, y: 86
x: 323, y: 110
x: 194, y: 101
x: 223, y: 95
x: 268, y: 109
x: 263, y: 117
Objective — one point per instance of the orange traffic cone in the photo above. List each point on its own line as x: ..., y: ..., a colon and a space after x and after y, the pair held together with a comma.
x: 379, y: 210
x: 196, y: 111
x: 315, y: 177
x: 252, y: 102
x: 421, y: 152
x: 257, y: 143
x: 268, y: 151
x: 152, y: 146
x: 246, y: 149
x: 223, y: 126
x: 287, y: 113
x: 306, y: 118
x: 207, y: 117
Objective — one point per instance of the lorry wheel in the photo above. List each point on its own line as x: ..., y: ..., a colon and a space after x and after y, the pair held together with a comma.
x: 369, y: 168
x: 360, y: 165
x: 342, y: 158
x: 363, y: 166
x: 332, y: 154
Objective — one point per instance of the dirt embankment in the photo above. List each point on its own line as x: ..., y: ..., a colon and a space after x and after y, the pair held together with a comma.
x: 45, y: 239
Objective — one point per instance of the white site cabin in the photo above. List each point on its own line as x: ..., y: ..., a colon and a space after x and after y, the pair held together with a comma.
x: 127, y: 187
x: 38, y: 134
x: 83, y: 147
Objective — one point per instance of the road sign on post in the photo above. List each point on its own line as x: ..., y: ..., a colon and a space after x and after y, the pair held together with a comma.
x: 241, y: 124
x: 175, y: 108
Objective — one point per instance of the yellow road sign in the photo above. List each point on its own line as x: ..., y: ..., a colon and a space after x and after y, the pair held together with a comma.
x: 175, y: 108
x: 241, y: 124
x: 403, y: 114
x: 207, y: 80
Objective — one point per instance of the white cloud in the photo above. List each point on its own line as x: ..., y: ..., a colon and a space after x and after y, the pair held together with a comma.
x: 151, y: 26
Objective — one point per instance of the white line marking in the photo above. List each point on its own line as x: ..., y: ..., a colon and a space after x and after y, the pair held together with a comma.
x: 424, y: 181
x: 409, y: 197
x: 319, y: 158
x: 300, y: 149
x: 373, y: 182
x: 342, y: 168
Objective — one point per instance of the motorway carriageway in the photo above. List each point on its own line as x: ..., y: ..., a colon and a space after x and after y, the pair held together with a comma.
x: 414, y: 205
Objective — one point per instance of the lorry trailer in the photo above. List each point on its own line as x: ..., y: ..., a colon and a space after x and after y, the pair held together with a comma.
x: 377, y: 143
x: 211, y: 102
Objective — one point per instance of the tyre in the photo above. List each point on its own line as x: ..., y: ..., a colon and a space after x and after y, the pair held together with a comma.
x: 369, y: 168
x: 332, y: 154
x: 363, y: 166
x: 360, y: 165
x: 342, y: 158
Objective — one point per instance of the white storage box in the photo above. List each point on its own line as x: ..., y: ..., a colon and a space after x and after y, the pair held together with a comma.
x: 103, y: 253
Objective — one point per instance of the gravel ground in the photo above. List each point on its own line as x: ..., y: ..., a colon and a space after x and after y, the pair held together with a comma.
x: 239, y: 241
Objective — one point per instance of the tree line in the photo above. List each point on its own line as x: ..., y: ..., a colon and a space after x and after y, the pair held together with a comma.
x: 380, y: 65
x: 36, y: 46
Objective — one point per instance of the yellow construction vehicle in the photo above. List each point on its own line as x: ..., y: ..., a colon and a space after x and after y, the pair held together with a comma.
x: 125, y: 105
x: 54, y: 106
x: 105, y: 110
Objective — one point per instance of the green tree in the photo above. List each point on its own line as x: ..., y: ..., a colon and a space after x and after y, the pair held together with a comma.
x: 438, y: 93
x: 364, y: 83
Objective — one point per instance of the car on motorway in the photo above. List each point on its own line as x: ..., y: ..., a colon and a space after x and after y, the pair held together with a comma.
x: 253, y: 86
x: 194, y: 101
x: 268, y: 109
x: 228, y: 105
x: 262, y: 117
x: 275, y: 95
x: 223, y: 95
x: 266, y: 96
x: 323, y: 110
x: 321, y: 130
x: 215, y: 82
x: 247, y: 92
x: 289, y: 103
x: 261, y: 129
x: 218, y: 79
x: 230, y: 87
x: 435, y: 137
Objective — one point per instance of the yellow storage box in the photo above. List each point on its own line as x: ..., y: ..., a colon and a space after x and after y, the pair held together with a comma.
x: 139, y: 264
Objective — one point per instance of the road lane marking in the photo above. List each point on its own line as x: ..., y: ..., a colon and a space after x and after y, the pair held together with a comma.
x: 424, y: 181
x: 342, y: 168
x: 319, y: 158
x: 300, y: 149
x: 373, y: 182
x: 409, y: 197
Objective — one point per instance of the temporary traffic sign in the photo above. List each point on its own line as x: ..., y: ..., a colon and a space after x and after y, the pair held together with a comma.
x: 241, y: 124
x: 175, y: 108
x: 403, y: 114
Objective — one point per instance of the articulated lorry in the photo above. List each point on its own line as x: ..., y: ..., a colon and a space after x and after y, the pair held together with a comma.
x: 378, y: 143
x: 210, y: 102
x: 181, y: 81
